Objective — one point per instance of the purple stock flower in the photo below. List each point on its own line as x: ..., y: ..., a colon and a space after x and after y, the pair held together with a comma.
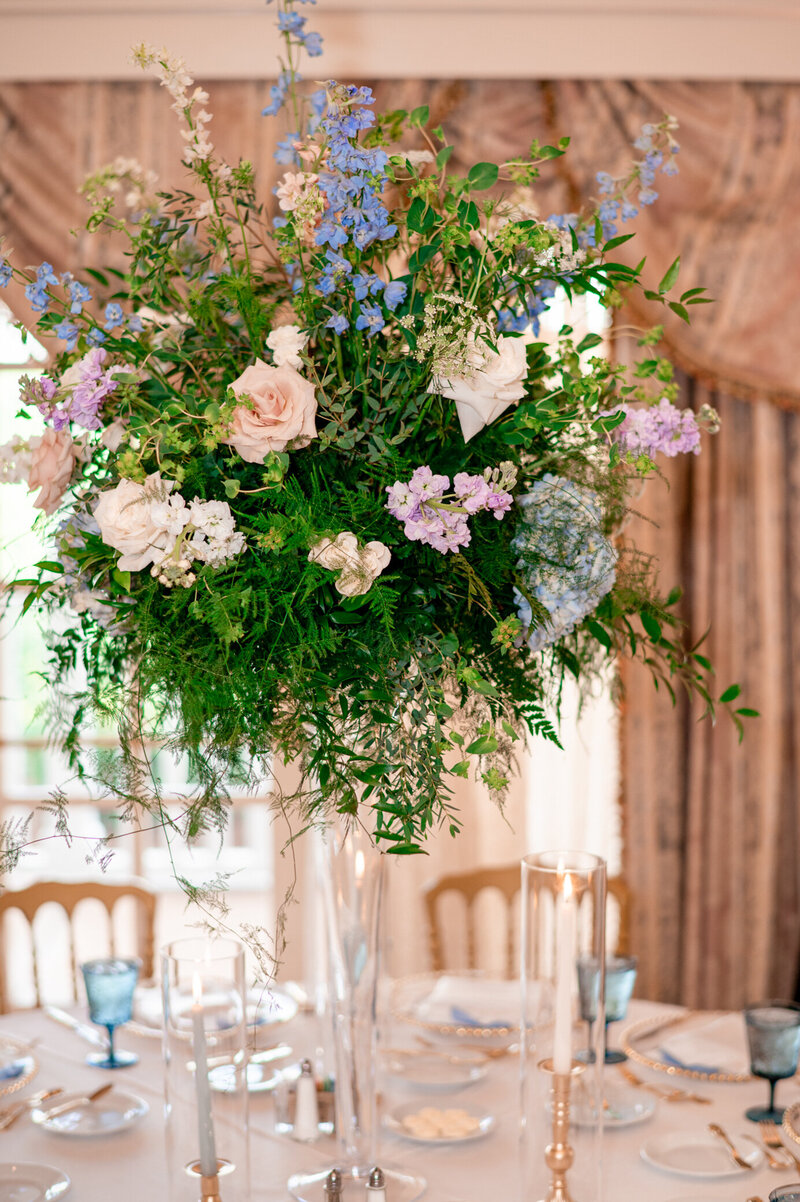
x: 432, y: 516
x: 658, y: 428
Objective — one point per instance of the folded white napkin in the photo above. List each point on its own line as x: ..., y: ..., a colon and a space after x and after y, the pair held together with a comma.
x: 716, y: 1045
x: 472, y: 1001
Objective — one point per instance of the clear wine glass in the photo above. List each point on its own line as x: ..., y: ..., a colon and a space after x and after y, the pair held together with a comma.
x: 773, y: 1034
x: 109, y: 990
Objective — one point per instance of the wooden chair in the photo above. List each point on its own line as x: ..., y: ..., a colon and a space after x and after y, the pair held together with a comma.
x: 69, y: 895
x: 506, y: 881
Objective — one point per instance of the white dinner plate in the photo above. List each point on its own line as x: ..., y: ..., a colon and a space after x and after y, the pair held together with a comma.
x: 434, y: 1072
x: 265, y: 1070
x: 625, y: 1110
x: 394, y: 1122
x: 697, y: 1154
x: 115, y: 1111
x: 20, y: 1182
x: 265, y: 1008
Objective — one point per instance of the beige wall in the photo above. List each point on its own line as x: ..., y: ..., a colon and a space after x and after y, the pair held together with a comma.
x: 471, y: 39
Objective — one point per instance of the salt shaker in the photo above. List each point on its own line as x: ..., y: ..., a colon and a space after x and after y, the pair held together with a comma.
x: 376, y: 1186
x: 306, y: 1110
x: 332, y: 1191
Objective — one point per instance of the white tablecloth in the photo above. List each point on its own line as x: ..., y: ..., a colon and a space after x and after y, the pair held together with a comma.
x: 129, y: 1166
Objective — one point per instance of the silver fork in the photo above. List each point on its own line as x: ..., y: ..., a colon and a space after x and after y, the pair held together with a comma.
x: 772, y: 1139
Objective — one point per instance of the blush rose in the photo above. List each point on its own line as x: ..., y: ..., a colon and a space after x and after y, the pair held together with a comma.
x: 52, y: 463
x: 279, y: 408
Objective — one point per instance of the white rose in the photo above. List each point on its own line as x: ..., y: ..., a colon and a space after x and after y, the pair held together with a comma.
x: 496, y: 384
x: 357, y: 566
x: 286, y: 343
x: 125, y: 517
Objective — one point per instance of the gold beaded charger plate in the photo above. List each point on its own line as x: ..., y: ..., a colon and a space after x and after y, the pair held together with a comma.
x: 426, y: 1002
x: 640, y: 1042
x: 18, y: 1065
x: 791, y: 1121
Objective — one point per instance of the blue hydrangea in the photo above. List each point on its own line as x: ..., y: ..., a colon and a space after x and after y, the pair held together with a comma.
x: 566, y: 564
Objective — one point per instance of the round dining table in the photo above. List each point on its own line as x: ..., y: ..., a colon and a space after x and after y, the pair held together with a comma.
x: 130, y: 1165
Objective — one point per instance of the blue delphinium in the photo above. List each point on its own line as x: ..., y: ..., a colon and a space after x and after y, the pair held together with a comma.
x: 394, y: 294
x: 68, y: 331
x: 95, y: 337
x: 566, y: 564
x: 114, y: 316
x: 79, y: 294
x: 36, y: 291
x: 370, y: 319
x: 5, y: 272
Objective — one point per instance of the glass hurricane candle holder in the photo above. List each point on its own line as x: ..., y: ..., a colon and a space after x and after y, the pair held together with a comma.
x: 773, y: 1035
x: 563, y: 927
x: 205, y: 1065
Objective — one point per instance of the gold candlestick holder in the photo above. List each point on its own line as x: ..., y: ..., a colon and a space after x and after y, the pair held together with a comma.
x: 209, y: 1189
x: 558, y: 1154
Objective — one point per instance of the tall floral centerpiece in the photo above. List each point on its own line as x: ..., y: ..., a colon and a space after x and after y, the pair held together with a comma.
x: 316, y: 485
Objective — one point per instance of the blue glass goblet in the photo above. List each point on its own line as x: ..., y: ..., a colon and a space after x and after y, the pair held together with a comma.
x: 109, y: 991
x: 620, y: 979
x: 773, y: 1033
x: 786, y: 1193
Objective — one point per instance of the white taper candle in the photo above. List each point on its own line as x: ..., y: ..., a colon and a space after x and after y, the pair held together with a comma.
x: 566, y: 918
x: 205, y: 1123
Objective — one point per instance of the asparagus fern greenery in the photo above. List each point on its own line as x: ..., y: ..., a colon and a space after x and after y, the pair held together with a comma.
x: 316, y: 485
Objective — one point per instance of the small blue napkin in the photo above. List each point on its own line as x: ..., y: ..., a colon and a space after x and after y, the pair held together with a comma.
x: 468, y: 1020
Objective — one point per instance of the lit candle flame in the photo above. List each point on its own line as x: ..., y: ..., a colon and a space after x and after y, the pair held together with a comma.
x: 360, y: 865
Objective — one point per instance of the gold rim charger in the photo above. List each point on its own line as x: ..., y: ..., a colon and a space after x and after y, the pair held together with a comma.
x: 659, y: 1022
x: 408, y: 992
x: 12, y: 1051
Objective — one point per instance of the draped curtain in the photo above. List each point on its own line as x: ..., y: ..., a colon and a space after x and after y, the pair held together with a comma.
x: 710, y: 827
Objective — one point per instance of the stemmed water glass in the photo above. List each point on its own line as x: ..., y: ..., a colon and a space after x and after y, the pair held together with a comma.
x: 786, y: 1193
x: 109, y: 990
x: 773, y: 1034
x: 620, y: 979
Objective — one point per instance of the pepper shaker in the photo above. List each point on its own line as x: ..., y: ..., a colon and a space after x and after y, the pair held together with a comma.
x: 376, y: 1186
x: 332, y: 1190
x: 306, y: 1109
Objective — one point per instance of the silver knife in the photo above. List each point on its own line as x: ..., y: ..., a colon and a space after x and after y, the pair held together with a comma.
x: 82, y: 1030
